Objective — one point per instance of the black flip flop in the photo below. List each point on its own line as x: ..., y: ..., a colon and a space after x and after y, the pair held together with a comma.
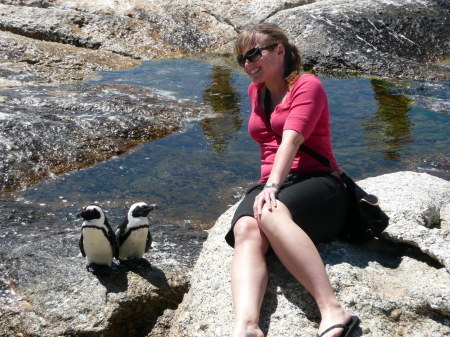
x: 348, y: 327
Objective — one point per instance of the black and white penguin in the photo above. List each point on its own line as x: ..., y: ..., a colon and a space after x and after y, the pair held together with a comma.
x: 133, y: 234
x: 98, y: 242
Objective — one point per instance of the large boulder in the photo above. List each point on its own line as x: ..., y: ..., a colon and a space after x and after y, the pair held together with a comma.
x: 390, y: 38
x: 398, y: 285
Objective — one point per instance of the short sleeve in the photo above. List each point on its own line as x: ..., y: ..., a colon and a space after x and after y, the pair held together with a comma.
x: 307, y: 103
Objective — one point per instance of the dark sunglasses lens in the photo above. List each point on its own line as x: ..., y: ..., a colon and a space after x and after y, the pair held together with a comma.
x: 251, y: 55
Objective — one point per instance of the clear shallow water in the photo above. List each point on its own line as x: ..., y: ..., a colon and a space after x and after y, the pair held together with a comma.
x: 195, y: 175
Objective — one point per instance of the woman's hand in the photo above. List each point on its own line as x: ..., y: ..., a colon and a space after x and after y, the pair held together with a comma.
x: 281, y: 167
x: 267, y: 196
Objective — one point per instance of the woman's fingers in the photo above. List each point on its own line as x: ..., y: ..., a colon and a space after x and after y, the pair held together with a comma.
x: 273, y: 198
x: 267, y: 196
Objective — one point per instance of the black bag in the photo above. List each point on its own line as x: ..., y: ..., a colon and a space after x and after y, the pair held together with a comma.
x: 365, y: 219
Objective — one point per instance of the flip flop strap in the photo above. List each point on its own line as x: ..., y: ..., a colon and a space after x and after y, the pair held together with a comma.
x: 331, y: 328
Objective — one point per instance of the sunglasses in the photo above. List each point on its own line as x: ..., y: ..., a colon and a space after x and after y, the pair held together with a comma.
x: 253, y: 54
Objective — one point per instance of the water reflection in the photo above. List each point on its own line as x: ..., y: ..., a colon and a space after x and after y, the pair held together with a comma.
x: 224, y: 99
x: 390, y: 128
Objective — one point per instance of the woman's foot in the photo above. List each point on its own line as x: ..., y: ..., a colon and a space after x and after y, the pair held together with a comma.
x: 247, y: 330
x: 332, y: 317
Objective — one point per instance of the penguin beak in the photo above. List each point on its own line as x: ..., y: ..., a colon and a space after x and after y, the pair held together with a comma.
x: 81, y: 213
x: 150, y: 208
x: 144, y: 210
x: 147, y: 209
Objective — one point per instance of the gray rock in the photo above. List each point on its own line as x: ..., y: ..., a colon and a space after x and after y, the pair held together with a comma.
x: 381, y: 37
x: 417, y: 211
x: 146, y: 31
x: 46, y: 291
x: 394, y: 38
x: 37, y: 61
x: 395, y: 288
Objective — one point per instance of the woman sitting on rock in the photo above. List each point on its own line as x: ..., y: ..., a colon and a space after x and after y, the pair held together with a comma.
x: 298, y: 201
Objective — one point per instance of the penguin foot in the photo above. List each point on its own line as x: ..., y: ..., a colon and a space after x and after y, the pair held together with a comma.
x: 98, y: 269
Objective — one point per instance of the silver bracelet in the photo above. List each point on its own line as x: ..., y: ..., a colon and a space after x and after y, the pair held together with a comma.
x: 272, y: 185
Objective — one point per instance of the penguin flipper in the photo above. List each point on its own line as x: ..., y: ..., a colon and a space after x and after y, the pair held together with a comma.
x: 115, y: 250
x: 123, y: 225
x: 113, y: 241
x: 80, y: 244
x: 149, y: 241
x: 115, y: 247
x: 121, y: 234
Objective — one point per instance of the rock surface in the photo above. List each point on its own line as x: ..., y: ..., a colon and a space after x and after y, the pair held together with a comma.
x: 395, y: 288
x: 46, y: 291
x: 30, y: 60
x: 396, y: 38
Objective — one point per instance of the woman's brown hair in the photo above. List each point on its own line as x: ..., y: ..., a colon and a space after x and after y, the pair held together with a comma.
x: 274, y: 34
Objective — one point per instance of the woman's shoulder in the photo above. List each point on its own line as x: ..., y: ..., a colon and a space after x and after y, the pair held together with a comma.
x: 309, y: 83
x: 307, y: 79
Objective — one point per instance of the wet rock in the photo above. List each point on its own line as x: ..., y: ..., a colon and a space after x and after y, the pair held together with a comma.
x: 398, y: 285
x: 438, y: 166
x: 45, y: 289
x: 49, y: 130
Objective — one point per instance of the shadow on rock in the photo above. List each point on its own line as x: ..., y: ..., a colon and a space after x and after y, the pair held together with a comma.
x: 290, y: 288
x: 384, y: 252
x: 114, y: 279
x: 144, y: 269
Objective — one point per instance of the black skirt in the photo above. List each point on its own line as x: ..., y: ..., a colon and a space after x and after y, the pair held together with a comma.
x: 317, y: 202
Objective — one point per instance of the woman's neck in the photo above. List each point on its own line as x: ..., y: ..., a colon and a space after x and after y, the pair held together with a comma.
x: 278, y: 90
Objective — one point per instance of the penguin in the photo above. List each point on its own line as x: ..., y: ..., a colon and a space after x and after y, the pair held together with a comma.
x: 97, y: 242
x: 133, y: 234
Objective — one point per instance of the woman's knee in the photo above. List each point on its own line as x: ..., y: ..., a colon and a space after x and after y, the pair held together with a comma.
x: 247, y: 228
x: 270, y: 219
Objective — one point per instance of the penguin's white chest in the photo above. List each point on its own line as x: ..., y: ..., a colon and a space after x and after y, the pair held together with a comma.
x: 134, y: 245
x: 97, y: 247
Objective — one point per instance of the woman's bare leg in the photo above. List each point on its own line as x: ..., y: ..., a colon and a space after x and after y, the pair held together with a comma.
x: 299, y: 255
x: 248, y: 277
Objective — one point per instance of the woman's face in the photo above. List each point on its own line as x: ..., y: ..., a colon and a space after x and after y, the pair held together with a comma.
x: 269, y: 66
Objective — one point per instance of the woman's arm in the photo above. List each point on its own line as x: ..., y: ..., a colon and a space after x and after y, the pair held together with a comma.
x: 290, y: 143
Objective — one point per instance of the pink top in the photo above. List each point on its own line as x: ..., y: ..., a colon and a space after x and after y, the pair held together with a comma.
x: 305, y: 109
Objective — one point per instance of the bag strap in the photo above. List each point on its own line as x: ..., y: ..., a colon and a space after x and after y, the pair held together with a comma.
x: 317, y: 156
x: 321, y: 159
x: 267, y: 102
